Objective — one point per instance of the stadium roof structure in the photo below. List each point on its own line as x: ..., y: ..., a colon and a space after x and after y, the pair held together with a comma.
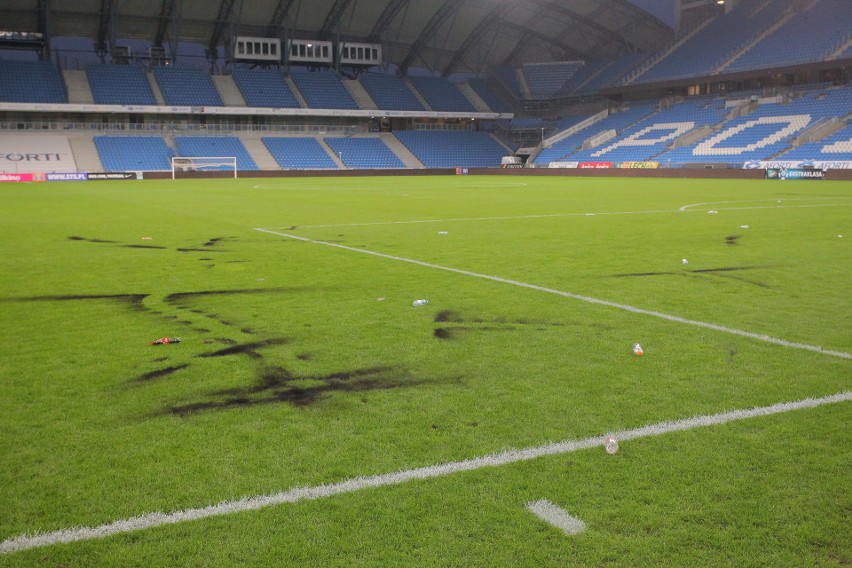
x: 447, y: 36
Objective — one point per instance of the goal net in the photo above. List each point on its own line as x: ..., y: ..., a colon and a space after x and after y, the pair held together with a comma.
x: 203, y: 164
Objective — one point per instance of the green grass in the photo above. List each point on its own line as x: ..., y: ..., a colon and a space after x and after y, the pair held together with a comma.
x: 98, y: 425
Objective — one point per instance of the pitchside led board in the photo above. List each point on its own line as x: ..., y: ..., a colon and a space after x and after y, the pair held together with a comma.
x: 794, y: 173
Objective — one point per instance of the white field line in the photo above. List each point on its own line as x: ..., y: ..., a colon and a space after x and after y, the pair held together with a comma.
x: 556, y: 516
x: 151, y: 520
x: 685, y: 208
x: 589, y: 299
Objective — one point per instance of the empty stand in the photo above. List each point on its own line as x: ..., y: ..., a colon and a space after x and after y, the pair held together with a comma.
x: 323, y: 90
x: 486, y: 94
x: 265, y: 88
x: 367, y: 153
x: 31, y: 82
x: 120, y: 85
x: 186, y: 87
x: 299, y: 153
x: 546, y: 79
x: 133, y: 153
x: 442, y: 95
x: 215, y: 146
x: 390, y: 92
x: 450, y: 149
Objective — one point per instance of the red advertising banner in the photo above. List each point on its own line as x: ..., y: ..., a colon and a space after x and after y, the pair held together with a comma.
x: 595, y: 165
x: 16, y: 177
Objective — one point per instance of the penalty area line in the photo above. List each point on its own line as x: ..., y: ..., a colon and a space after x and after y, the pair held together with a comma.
x: 588, y: 299
x: 151, y: 520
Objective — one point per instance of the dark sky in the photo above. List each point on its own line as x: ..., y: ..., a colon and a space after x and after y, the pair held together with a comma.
x: 663, y: 9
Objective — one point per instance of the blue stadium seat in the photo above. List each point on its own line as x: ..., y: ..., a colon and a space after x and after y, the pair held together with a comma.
x: 450, y: 149
x: 367, y: 153
x: 442, y: 95
x: 120, y: 85
x: 265, y: 88
x: 546, y: 79
x: 186, y: 87
x: 322, y: 89
x: 215, y: 146
x: 133, y: 153
x: 299, y: 153
x: 481, y: 88
x: 389, y: 92
x: 31, y: 82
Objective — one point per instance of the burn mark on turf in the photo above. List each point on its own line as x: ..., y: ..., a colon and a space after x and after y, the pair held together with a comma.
x: 144, y: 247
x: 251, y: 349
x: 731, y: 240
x: 159, y: 373
x: 278, y: 385
x: 133, y: 301
x: 78, y: 238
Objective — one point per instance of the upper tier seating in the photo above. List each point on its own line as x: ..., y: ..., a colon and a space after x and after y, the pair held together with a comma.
x: 494, y: 102
x: 611, y: 72
x: 302, y: 153
x: 213, y: 146
x: 442, y: 95
x: 710, y: 47
x: 120, y: 85
x: 367, y: 153
x: 450, y: 149
x: 509, y: 79
x: 323, y: 90
x: 797, y: 42
x: 133, y: 153
x: 264, y: 88
x: 390, y: 92
x: 546, y: 79
x: 186, y: 87
x: 31, y: 82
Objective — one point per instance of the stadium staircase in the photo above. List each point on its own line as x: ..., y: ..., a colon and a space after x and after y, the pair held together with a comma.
x: 403, y: 153
x: 302, y: 102
x: 417, y: 94
x: 759, y: 37
x: 228, y: 91
x: 259, y: 152
x: 660, y: 56
x: 335, y: 158
x: 85, y: 152
x: 471, y: 95
x: 79, y: 91
x: 360, y: 95
x: 155, y: 88
x: 842, y: 48
x: 522, y: 81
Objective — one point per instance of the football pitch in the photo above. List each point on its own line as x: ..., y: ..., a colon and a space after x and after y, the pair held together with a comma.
x: 312, y: 415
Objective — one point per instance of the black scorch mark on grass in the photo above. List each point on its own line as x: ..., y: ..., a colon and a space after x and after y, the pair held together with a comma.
x: 159, y: 373
x: 278, y: 385
x: 251, y: 349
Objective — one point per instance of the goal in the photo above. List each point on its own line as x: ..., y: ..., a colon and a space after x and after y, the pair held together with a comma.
x: 203, y: 164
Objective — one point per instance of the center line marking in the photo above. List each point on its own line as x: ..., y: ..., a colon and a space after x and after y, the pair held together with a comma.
x: 589, y: 299
x: 299, y: 494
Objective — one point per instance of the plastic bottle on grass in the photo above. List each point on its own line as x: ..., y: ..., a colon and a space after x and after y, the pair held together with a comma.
x: 416, y: 303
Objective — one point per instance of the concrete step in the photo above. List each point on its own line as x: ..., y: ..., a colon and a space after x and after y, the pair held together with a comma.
x: 79, y: 90
x: 158, y: 95
x: 260, y: 154
x: 360, y: 94
x: 403, y: 153
x: 85, y: 153
x: 417, y: 94
x: 471, y: 95
x: 228, y: 91
x: 302, y: 102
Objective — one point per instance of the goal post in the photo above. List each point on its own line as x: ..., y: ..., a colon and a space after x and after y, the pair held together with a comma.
x: 203, y: 164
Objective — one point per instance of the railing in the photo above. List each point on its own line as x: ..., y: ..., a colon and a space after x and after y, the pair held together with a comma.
x: 176, y: 127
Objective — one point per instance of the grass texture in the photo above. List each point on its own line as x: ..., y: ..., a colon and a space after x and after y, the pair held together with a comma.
x: 304, y: 364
